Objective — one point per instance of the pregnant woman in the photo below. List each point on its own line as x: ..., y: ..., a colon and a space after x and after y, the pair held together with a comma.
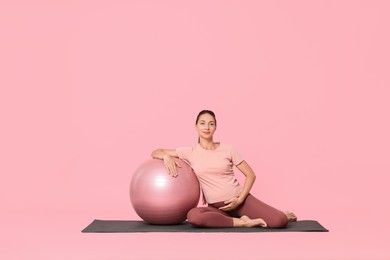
x: 229, y: 204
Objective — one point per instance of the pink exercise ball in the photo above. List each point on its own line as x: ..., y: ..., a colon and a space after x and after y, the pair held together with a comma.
x: 158, y: 198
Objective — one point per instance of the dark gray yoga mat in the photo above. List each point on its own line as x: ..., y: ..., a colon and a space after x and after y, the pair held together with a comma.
x: 134, y: 226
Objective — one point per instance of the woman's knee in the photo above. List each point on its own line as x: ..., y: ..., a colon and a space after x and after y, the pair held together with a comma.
x: 279, y: 221
x: 194, y: 217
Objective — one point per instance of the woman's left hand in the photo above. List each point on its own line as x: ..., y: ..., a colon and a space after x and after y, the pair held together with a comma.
x: 231, y: 204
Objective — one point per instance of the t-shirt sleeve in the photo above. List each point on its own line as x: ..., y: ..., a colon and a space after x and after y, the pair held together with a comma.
x: 235, y: 155
x: 184, y: 152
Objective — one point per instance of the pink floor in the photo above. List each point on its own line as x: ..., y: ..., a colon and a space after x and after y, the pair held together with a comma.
x: 55, y: 234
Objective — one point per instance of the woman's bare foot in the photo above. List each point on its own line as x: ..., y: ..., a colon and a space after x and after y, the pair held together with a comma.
x: 245, y: 221
x: 290, y: 216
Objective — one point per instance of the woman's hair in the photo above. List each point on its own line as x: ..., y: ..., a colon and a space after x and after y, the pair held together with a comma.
x: 211, y: 113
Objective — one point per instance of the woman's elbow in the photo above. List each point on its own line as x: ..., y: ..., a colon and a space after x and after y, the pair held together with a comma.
x: 253, y: 176
x: 155, y: 153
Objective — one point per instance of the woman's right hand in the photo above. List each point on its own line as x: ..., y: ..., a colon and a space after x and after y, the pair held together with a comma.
x: 170, y: 163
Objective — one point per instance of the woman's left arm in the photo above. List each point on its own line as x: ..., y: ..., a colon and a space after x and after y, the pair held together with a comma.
x: 249, y: 180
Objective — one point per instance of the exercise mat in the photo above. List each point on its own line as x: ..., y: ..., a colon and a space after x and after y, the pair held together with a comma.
x: 135, y: 226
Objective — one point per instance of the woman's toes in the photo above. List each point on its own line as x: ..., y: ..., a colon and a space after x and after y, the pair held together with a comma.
x: 263, y: 223
x: 290, y: 216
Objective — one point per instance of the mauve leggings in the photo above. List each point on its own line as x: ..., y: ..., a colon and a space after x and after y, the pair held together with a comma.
x: 211, y: 216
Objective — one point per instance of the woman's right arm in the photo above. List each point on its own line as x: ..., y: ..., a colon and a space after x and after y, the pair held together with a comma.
x: 159, y: 153
x: 167, y: 155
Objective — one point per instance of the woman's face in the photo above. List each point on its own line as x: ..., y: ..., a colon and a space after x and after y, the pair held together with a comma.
x: 206, y: 126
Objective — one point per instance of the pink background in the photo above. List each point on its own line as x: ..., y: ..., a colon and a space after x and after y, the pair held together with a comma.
x: 90, y: 88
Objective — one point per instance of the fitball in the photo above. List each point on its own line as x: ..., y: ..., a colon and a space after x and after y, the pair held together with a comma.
x: 160, y: 199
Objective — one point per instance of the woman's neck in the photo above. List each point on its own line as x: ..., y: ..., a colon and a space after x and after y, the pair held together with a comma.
x: 207, y: 144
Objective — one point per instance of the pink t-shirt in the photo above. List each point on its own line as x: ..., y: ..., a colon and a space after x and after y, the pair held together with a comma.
x: 214, y: 169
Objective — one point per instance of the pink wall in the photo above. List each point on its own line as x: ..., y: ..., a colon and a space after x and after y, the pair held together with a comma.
x: 301, y: 88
